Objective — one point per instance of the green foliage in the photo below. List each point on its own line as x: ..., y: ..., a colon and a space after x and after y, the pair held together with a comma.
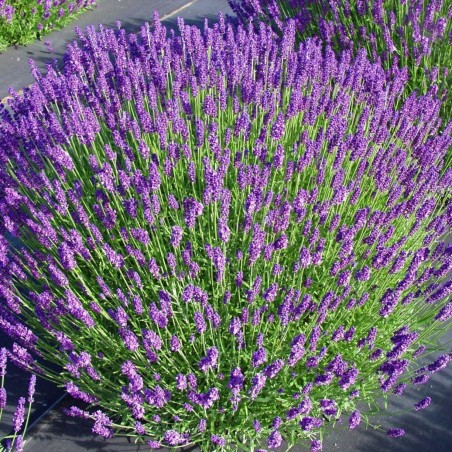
x: 23, y: 21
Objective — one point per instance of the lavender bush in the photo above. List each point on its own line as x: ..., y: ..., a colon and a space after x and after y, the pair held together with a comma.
x: 21, y: 416
x: 221, y: 239
x: 22, y: 21
x: 416, y: 33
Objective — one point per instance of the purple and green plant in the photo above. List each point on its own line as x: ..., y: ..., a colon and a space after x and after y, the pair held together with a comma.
x: 15, y: 441
x: 412, y: 33
x: 221, y: 238
x: 22, y: 21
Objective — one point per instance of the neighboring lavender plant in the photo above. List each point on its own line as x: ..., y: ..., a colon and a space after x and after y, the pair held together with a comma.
x: 22, y: 21
x: 15, y: 441
x: 223, y: 241
x: 412, y: 33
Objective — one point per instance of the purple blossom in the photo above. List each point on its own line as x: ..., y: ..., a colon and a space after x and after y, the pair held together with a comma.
x: 141, y: 235
x: 3, y: 396
x: 328, y: 407
x: 259, y: 357
x: 74, y: 411
x: 58, y: 277
x: 3, y: 361
x: 173, y: 438
x: 314, y: 337
x: 102, y: 424
x: 395, y: 432
x: 424, y: 403
x: 192, y: 382
x: 202, y: 425
x: 175, y: 344
x: 236, y: 381
x: 439, y: 364
x: 277, y: 422
x: 205, y: 400
x: 181, y: 382
x: 154, y: 445
x: 270, y: 294
x: 308, y: 423
x: 67, y: 257
x: 257, y: 244
x: 235, y: 326
x: 258, y: 383
x: 354, y: 420
x: 172, y: 202
x: 363, y: 274
x: 210, y: 108
x: 399, y: 389
x: 19, y: 414
x: 157, y: 397
x: 75, y: 392
x: 348, y: 378
x: 316, y: 445
x: 192, y: 210
x: 257, y: 426
x: 217, y: 440
x: 420, y: 379
x: 274, y: 440
x: 210, y: 360
x: 200, y: 323
x: 176, y: 236
x: 274, y: 368
x: 277, y: 130
x: 444, y: 313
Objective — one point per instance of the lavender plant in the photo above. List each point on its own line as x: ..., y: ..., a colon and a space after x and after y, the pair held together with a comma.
x: 416, y: 34
x: 22, y: 21
x: 222, y: 239
x: 15, y: 441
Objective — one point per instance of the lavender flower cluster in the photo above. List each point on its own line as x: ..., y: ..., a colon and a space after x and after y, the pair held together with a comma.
x: 416, y: 33
x: 15, y: 441
x: 222, y: 238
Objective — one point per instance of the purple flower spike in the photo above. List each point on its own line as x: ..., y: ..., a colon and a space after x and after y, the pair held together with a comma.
x: 395, y: 432
x: 200, y: 323
x: 274, y: 368
x: 259, y: 357
x: 316, y: 445
x: 31, y: 388
x: 19, y: 414
x: 210, y: 360
x: 308, y: 423
x: 278, y: 128
x: 257, y: 426
x: 192, y: 210
x: 424, y: 403
x: 154, y: 445
x: 258, y: 384
x: 3, y: 361
x: 218, y: 440
x: 176, y: 236
x: 175, y: 344
x: 173, y: 438
x: 354, y: 419
x: 3, y: 396
x: 274, y: 440
x: 445, y: 313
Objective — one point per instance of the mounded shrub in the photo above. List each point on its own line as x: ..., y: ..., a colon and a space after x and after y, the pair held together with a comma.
x: 223, y: 240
